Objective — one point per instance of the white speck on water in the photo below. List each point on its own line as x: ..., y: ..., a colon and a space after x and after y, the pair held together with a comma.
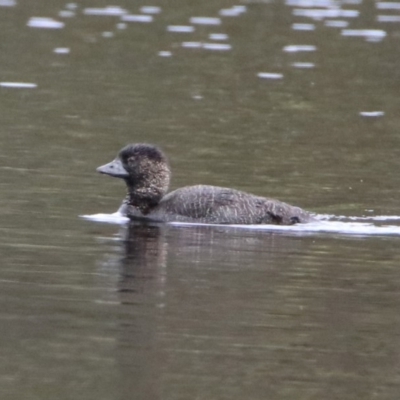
x: 191, y: 45
x: 269, y: 75
x: 45, y: 23
x: 107, y: 34
x: 8, y: 3
x: 217, y: 46
x: 218, y: 36
x: 319, y: 14
x: 121, y: 25
x: 304, y: 65
x: 388, y: 18
x: 180, y: 28
x: 71, y: 6
x: 137, y: 18
x: 197, y: 97
x: 387, y: 5
x: 150, y: 9
x: 205, y: 20
x: 111, y: 11
x: 372, y: 113
x: 372, y: 34
x: 61, y: 50
x: 303, y: 27
x: 297, y: 48
x: 234, y: 11
x: 336, y: 23
x: 66, y: 14
x: 18, y: 85
x: 164, y: 53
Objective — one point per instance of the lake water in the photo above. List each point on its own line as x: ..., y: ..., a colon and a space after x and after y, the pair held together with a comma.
x: 296, y: 100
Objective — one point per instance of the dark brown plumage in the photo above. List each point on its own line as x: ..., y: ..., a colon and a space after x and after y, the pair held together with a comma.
x: 147, y: 174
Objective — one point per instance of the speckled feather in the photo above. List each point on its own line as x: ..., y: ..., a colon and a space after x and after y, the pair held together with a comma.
x: 148, y: 182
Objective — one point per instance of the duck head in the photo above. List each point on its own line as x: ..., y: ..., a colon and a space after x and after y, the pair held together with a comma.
x: 146, y: 172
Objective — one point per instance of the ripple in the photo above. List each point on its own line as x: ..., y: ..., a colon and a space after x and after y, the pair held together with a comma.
x: 150, y: 9
x: 321, y: 14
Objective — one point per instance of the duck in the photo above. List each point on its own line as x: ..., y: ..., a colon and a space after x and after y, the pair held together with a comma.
x: 147, y: 174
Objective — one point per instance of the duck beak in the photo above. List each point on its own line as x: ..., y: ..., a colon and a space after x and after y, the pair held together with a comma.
x: 114, y: 168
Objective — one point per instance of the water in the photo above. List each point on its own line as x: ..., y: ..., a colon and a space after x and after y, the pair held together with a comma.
x: 94, y: 310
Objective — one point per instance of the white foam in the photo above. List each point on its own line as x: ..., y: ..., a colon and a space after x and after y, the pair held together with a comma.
x: 115, y: 218
x: 359, y: 226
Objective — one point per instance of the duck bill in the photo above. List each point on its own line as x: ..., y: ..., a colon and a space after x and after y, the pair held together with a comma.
x: 114, y: 168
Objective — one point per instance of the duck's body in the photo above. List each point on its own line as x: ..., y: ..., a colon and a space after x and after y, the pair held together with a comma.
x: 146, y: 172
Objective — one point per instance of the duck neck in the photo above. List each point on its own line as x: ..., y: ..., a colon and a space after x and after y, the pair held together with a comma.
x: 142, y: 199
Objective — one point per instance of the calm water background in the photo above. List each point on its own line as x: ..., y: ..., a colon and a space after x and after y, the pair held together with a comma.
x: 95, y: 311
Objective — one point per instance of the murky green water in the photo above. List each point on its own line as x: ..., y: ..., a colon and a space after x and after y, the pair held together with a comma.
x: 97, y: 311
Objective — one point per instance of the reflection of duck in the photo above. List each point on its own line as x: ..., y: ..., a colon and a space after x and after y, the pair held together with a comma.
x: 147, y: 174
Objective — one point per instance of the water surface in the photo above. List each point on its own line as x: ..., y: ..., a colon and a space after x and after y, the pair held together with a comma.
x: 293, y: 100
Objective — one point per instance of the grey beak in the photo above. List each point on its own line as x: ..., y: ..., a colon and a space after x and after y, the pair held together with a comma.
x: 114, y: 168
